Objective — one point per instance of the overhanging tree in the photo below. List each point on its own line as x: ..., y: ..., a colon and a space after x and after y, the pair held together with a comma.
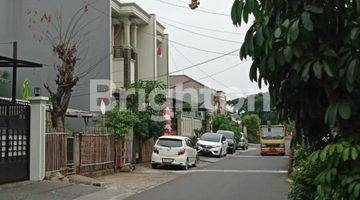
x: 308, y: 53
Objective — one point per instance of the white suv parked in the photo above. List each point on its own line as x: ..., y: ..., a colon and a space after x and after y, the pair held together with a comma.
x: 174, y: 150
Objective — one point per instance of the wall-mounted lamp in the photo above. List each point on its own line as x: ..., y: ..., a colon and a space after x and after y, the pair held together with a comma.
x: 37, y: 91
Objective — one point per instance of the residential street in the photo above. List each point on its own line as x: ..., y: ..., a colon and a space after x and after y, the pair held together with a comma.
x: 245, y: 175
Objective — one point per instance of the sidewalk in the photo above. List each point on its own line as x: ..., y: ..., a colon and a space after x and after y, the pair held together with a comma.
x: 45, y: 190
x: 122, y: 185
x: 115, y: 186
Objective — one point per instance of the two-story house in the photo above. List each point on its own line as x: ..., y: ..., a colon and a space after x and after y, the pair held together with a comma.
x: 119, y: 42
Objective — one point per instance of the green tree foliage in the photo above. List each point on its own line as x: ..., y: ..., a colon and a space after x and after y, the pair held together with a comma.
x: 120, y: 121
x: 307, y: 52
x: 224, y: 122
x: 304, y: 174
x: 252, y: 123
x: 313, y: 76
x: 338, y: 179
x: 242, y: 107
x: 146, y: 127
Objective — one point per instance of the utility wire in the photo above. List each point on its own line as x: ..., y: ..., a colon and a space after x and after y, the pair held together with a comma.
x: 205, y: 77
x: 204, y: 62
x: 192, y: 47
x: 176, y: 71
x: 175, y: 42
x: 201, y: 34
x: 199, y: 27
x: 186, y: 58
x: 197, y: 10
x: 222, y: 71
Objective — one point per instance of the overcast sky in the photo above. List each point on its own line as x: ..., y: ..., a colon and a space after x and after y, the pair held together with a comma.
x: 235, y: 81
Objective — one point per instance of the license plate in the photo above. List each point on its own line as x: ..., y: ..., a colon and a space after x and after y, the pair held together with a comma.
x: 167, y: 160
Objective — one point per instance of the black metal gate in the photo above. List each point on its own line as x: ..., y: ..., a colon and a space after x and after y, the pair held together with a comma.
x: 14, y: 142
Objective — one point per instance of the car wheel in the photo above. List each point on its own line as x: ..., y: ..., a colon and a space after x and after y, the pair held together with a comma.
x: 154, y: 166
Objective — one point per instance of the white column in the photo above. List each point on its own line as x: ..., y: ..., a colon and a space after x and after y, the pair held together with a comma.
x: 134, y: 36
x: 37, y: 137
x: 127, y: 24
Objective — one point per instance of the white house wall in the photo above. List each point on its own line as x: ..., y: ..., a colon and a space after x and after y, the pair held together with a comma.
x: 147, y: 50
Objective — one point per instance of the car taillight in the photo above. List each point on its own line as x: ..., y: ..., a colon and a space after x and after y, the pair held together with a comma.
x: 156, y: 150
x: 181, y: 152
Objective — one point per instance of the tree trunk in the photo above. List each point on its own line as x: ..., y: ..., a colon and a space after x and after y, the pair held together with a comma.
x: 292, y: 148
x: 58, y: 122
x: 60, y: 106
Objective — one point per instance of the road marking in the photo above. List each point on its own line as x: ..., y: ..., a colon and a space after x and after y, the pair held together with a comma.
x: 249, y: 149
x: 220, y: 171
x: 240, y: 171
x: 211, y: 159
x: 249, y: 156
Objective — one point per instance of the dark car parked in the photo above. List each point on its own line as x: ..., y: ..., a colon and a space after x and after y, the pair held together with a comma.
x: 230, y: 137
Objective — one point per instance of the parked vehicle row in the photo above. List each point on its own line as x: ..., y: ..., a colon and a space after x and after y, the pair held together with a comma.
x: 183, y: 152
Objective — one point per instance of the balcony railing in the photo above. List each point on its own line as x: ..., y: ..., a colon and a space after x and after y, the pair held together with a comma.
x: 119, y: 52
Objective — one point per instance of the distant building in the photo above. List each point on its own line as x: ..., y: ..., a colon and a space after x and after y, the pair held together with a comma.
x: 202, y: 105
x: 220, y: 103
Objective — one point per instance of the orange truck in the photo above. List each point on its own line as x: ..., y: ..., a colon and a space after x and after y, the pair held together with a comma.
x: 272, y: 140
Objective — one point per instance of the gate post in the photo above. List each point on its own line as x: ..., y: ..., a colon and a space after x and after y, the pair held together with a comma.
x: 37, y: 137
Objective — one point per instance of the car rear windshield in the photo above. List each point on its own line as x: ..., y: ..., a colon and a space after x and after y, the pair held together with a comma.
x: 228, y: 135
x: 211, y: 137
x: 167, y: 142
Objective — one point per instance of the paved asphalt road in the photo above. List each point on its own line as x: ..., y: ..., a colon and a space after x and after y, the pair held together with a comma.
x: 245, y: 175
